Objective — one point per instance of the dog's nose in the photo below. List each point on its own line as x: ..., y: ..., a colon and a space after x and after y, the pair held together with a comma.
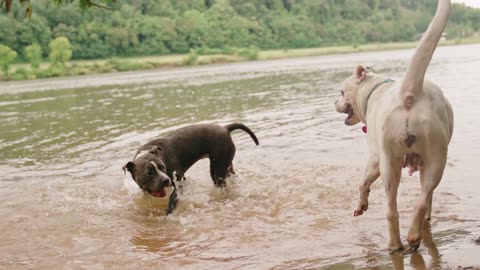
x: 166, y: 182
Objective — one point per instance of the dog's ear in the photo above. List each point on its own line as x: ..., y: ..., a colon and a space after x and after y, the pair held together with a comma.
x: 360, y: 73
x: 130, y: 166
x: 156, y: 150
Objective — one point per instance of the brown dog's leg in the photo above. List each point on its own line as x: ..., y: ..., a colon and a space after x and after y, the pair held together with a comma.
x: 218, y: 172
x: 230, y: 169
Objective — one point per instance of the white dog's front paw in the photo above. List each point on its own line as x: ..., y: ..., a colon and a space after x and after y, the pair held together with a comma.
x: 362, y: 207
x: 396, y: 248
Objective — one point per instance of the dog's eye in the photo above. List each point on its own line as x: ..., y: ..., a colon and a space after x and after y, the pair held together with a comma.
x: 150, y: 172
x: 341, y: 92
x: 161, y: 167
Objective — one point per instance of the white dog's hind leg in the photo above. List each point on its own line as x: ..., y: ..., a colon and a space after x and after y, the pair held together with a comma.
x: 428, y: 214
x: 430, y: 177
x: 371, y: 174
x: 390, y: 170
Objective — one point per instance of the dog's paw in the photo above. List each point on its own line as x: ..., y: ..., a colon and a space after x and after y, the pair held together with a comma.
x: 220, y: 182
x: 362, y: 207
x: 397, y: 249
x: 410, y: 250
x: 357, y: 213
x: 414, y: 242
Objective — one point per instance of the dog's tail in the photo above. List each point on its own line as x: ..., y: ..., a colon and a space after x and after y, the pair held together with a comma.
x: 412, y: 83
x: 235, y: 126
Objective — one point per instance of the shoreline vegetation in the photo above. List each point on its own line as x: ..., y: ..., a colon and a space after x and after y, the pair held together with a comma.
x: 152, y: 34
x: 200, y: 56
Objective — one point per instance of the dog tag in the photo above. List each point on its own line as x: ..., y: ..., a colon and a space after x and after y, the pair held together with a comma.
x: 364, y: 129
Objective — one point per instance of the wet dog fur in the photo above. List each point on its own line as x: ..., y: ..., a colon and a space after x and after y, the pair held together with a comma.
x: 158, y: 163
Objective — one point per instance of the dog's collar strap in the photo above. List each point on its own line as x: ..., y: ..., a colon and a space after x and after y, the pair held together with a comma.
x: 373, y: 90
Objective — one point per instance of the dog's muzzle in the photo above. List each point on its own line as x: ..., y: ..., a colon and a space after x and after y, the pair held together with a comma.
x: 159, y: 193
x: 167, y: 182
x: 349, y: 111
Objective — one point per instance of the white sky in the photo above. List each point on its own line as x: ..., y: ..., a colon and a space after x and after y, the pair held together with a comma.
x: 472, y: 3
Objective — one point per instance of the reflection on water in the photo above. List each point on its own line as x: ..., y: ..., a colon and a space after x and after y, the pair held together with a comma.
x: 67, y: 205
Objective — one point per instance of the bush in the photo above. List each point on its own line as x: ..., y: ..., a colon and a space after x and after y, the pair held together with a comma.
x: 51, y: 71
x: 34, y: 55
x: 229, y: 50
x: 191, y: 59
x: 131, y: 65
x: 113, y: 61
x: 208, y: 51
x: 250, y: 53
x: 61, y: 51
x: 21, y: 74
x: 79, y: 70
x: 7, y: 56
x: 102, y: 68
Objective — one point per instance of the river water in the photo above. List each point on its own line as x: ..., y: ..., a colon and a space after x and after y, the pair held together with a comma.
x: 66, y: 204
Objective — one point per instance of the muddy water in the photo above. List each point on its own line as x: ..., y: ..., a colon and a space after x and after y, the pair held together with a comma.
x: 65, y: 203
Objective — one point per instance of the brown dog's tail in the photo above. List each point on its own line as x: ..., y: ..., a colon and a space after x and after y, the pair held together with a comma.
x: 412, y: 83
x: 235, y: 126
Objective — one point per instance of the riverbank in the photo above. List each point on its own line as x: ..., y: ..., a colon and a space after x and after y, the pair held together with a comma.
x: 23, y: 71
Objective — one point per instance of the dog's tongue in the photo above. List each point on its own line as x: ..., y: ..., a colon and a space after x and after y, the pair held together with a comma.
x: 160, y: 193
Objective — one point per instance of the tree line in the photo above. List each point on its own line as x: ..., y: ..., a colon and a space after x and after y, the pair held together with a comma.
x: 156, y: 27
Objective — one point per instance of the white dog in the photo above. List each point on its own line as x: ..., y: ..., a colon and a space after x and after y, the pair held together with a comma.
x: 410, y: 124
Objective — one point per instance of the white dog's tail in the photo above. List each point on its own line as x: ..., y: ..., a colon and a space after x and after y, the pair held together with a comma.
x: 412, y: 83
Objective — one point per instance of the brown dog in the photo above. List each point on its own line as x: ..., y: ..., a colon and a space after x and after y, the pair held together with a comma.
x: 156, y: 163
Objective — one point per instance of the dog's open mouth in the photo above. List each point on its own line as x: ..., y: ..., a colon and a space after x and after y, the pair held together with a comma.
x: 349, y: 112
x: 159, y: 194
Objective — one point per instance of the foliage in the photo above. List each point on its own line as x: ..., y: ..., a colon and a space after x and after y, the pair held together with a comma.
x: 20, y: 74
x: 191, y: 58
x: 60, y: 51
x: 84, y: 4
x: 250, y: 53
x: 7, y: 56
x: 34, y: 55
x: 122, y: 65
x: 153, y: 27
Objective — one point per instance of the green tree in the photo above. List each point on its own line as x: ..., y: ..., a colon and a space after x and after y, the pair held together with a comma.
x: 159, y: 8
x: 221, y: 17
x: 7, y: 56
x: 121, y: 39
x: 195, y: 29
x: 82, y: 3
x: 7, y: 34
x: 34, y: 55
x: 60, y: 51
x: 148, y: 27
x: 155, y: 34
x: 34, y: 30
